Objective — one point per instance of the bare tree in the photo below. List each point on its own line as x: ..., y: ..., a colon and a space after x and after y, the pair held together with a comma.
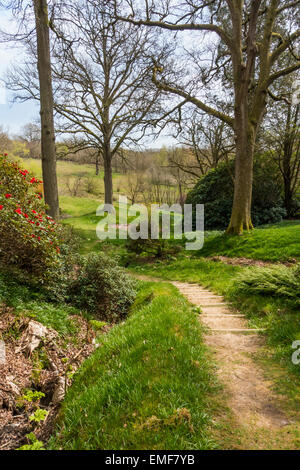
x: 5, y: 141
x: 102, y: 68
x: 31, y: 135
x: 247, y: 40
x: 210, y: 141
x: 283, y: 146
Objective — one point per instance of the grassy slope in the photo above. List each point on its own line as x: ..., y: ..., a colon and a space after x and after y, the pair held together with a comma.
x: 280, y: 242
x: 147, y: 387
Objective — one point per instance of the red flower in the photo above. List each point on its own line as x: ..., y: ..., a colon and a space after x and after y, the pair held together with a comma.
x: 7, y: 196
x: 1, y: 207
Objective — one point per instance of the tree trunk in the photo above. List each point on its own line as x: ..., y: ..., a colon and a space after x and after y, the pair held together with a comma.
x: 97, y: 163
x: 288, y: 198
x: 241, y: 209
x: 108, y: 185
x: 46, y: 108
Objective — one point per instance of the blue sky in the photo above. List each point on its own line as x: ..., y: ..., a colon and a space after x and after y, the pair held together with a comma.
x: 12, y: 116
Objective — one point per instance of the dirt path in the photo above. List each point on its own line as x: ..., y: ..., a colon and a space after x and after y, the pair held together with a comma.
x: 252, y: 415
x: 257, y: 417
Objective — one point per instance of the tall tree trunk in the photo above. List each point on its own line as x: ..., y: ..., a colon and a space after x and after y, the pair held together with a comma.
x: 46, y: 108
x: 241, y: 209
x: 288, y: 197
x: 245, y: 134
x: 108, y: 184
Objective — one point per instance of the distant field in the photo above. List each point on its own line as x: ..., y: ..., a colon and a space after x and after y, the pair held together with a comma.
x: 91, y: 185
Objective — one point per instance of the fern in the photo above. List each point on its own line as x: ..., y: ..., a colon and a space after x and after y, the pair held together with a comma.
x: 277, y: 281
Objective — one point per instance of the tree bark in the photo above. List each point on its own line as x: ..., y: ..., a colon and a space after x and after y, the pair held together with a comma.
x: 245, y: 136
x: 97, y: 163
x: 108, y: 184
x: 241, y: 209
x: 46, y: 108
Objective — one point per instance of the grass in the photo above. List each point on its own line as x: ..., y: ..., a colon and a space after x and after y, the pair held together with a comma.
x: 279, y: 242
x: 275, y: 243
x: 278, y: 316
x: 147, y: 387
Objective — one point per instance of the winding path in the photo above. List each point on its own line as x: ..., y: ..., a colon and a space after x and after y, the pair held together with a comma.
x: 252, y: 415
x: 248, y: 393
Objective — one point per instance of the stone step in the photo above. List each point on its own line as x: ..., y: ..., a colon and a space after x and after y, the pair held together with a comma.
x: 207, y: 305
x: 205, y: 298
x: 237, y: 330
x: 199, y: 292
x: 211, y: 310
x: 223, y: 322
x: 222, y: 315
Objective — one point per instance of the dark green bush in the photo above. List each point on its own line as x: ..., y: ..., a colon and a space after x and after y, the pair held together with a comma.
x: 102, y: 287
x: 153, y: 248
x: 215, y: 191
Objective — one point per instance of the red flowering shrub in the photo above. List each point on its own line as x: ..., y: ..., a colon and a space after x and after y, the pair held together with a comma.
x: 29, y: 239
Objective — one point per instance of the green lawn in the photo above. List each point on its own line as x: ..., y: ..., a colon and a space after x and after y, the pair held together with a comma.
x: 279, y: 242
x: 148, y: 386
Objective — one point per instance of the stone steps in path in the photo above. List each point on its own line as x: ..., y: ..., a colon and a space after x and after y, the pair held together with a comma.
x: 215, y: 313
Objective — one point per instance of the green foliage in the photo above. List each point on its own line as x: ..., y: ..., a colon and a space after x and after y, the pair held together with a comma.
x: 38, y: 416
x: 31, y: 302
x: 29, y: 239
x: 32, y: 396
x: 278, y: 242
x: 278, y: 281
x: 215, y: 190
x: 97, y: 325
x: 35, y: 444
x: 149, y: 386
x: 150, y: 247
x: 100, y: 286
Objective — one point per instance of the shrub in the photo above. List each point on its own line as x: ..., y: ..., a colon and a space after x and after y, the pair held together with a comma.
x: 276, y: 281
x: 215, y: 190
x: 102, y: 287
x: 29, y: 238
x: 155, y: 248
x: 152, y: 248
